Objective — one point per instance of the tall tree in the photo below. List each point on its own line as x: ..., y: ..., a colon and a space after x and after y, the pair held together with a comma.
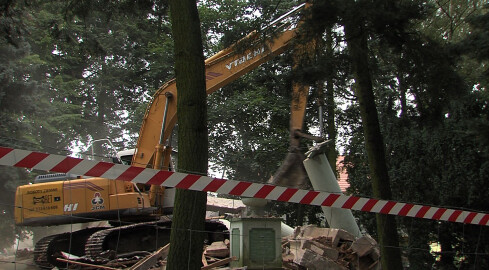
x: 357, y: 45
x: 331, y: 130
x: 187, y: 234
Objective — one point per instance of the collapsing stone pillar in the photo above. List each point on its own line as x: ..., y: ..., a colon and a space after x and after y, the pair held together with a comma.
x: 323, y: 179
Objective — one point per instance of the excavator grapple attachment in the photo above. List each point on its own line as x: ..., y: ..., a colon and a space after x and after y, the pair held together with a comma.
x: 292, y: 172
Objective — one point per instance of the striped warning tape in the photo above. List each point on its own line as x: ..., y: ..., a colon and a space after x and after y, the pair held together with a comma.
x: 63, y: 164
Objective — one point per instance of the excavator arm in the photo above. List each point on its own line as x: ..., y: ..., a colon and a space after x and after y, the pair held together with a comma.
x: 221, y: 69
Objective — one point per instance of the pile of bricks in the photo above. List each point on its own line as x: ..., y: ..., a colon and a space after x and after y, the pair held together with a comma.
x: 312, y: 248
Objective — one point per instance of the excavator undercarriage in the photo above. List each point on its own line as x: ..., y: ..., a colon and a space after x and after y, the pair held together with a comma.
x: 120, y: 241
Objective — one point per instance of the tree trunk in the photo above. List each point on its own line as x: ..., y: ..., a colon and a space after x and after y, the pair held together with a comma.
x: 332, y: 154
x: 187, y: 235
x: 402, y: 88
x: 386, y: 224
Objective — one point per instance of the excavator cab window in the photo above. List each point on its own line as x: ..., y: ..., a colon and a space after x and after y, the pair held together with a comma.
x: 126, y: 160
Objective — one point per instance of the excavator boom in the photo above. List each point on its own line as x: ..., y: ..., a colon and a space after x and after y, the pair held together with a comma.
x: 221, y: 69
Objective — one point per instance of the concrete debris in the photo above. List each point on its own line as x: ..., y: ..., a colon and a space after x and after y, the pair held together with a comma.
x: 364, y: 245
x: 326, y: 235
x: 217, y: 249
x: 311, y: 247
x: 314, y: 261
x: 223, y: 205
x: 321, y: 249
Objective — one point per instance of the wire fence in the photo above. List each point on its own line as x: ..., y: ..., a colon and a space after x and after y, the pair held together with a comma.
x: 20, y: 259
x: 17, y: 259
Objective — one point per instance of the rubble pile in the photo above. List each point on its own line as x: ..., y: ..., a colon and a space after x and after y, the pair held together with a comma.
x: 312, y: 248
x: 109, y: 260
x: 308, y: 248
x: 218, y: 249
x: 216, y: 254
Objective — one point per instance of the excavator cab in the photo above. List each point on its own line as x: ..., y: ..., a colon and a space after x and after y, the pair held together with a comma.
x: 125, y: 156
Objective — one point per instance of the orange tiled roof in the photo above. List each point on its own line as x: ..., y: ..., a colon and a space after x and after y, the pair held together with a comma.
x: 342, y: 174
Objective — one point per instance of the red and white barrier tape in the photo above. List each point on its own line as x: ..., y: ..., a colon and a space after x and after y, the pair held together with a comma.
x: 63, y: 164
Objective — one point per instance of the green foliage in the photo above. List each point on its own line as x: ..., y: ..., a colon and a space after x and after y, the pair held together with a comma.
x: 475, y: 47
x: 224, y: 22
x: 12, y: 16
x: 248, y: 127
x: 448, y: 20
x: 10, y: 178
x: 102, y: 64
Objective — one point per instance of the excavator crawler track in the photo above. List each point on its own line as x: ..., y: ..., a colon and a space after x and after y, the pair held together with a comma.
x: 50, y: 247
x: 135, y: 237
x: 148, y: 236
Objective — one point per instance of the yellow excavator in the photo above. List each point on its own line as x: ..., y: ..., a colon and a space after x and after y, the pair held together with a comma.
x: 56, y: 199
